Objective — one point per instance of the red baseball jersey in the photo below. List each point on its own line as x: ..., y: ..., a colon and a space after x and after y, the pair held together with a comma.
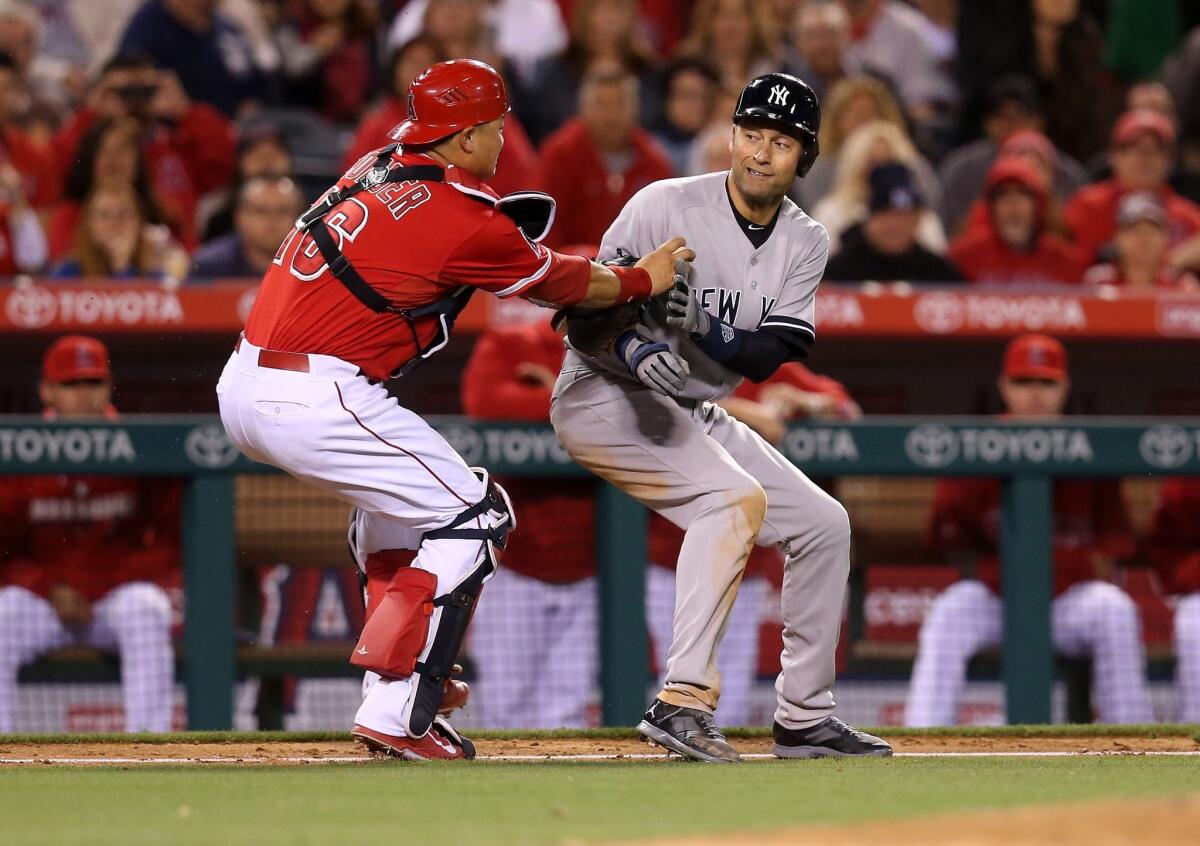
x: 1091, y: 215
x: 413, y: 242
x: 1090, y: 519
x: 89, y: 532
x: 555, y: 536
x: 1173, y: 542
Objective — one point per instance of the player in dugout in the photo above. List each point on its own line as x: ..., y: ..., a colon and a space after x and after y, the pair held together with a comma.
x: 534, y: 640
x: 1173, y: 547
x: 1090, y: 616
x: 83, y: 559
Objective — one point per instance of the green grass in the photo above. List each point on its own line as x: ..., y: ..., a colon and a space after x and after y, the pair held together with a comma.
x: 1057, y: 730
x: 531, y: 804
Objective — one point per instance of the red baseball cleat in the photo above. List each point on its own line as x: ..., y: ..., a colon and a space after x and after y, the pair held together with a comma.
x: 440, y: 743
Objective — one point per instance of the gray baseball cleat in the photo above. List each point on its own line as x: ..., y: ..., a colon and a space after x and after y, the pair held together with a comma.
x: 688, y: 731
x: 830, y: 738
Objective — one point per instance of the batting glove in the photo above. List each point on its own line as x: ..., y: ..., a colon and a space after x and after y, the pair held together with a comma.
x: 683, y: 308
x: 653, y: 363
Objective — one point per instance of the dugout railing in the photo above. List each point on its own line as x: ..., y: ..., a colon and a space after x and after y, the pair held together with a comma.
x: 1027, y: 456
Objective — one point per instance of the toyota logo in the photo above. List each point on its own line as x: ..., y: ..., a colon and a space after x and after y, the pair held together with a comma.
x: 939, y: 313
x: 932, y: 445
x: 31, y: 307
x: 1166, y: 446
x: 208, y: 446
x: 467, y: 442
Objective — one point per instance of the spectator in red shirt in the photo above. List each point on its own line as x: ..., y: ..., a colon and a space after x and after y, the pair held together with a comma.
x: 597, y: 161
x: 1173, y: 547
x: 534, y: 641
x: 1141, y: 152
x: 1141, y: 250
x: 793, y: 393
x: 1013, y: 244
x: 327, y: 50
x: 1089, y: 615
x: 188, y: 146
x: 406, y: 62
x: 32, y: 161
x: 83, y: 558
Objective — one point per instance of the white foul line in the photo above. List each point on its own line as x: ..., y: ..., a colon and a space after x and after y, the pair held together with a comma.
x: 358, y: 759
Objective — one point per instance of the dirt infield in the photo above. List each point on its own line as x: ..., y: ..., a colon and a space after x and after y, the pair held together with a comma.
x: 300, y: 753
x: 1173, y: 820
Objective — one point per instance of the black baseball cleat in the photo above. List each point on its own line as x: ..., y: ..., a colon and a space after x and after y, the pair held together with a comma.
x: 688, y: 731
x: 830, y: 738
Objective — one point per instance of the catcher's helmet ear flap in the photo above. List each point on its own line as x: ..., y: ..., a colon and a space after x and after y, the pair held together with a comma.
x: 788, y: 104
x: 448, y: 97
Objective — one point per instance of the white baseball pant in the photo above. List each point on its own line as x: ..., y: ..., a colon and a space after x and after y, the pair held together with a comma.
x: 1090, y: 618
x: 534, y: 644
x: 737, y: 656
x: 1187, y: 657
x: 133, y: 620
x: 332, y: 428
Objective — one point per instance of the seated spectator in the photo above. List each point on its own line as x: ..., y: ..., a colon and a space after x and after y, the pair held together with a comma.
x: 1036, y: 150
x: 265, y: 210
x: 853, y: 103
x: 1013, y: 109
x: 818, y: 50
x: 845, y: 206
x: 1089, y: 615
x: 46, y: 78
x: 604, y: 39
x: 599, y: 160
x: 737, y: 36
x: 710, y: 151
x: 207, y: 52
x: 534, y: 641
x: 30, y: 158
x: 526, y: 31
x: 262, y: 150
x: 690, y: 89
x: 1142, y: 246
x: 114, y: 240
x: 408, y: 60
x: 1141, y: 154
x: 888, y: 39
x: 188, y: 146
x: 327, y: 48
x: 793, y: 392
x: 1013, y: 244
x: 885, y: 247
x: 83, y: 558
x: 1173, y: 548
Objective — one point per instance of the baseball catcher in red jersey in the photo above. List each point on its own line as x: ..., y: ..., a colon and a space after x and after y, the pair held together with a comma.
x: 366, y: 286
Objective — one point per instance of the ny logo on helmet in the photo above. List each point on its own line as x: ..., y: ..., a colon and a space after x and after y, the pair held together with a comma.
x: 779, y: 95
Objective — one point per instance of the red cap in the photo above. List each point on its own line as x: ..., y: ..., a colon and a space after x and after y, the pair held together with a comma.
x: 449, y: 97
x: 1014, y: 169
x: 1035, y: 357
x: 75, y: 357
x: 1140, y: 122
x: 1030, y: 141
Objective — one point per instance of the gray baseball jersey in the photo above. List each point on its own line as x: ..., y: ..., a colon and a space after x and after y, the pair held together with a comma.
x: 747, y: 287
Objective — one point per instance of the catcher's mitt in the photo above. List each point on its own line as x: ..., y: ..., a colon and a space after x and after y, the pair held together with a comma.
x: 592, y: 331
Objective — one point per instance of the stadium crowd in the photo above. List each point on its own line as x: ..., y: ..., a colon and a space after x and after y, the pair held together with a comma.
x: 175, y: 139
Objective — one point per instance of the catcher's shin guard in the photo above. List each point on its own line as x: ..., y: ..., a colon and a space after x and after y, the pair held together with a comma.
x: 494, y: 517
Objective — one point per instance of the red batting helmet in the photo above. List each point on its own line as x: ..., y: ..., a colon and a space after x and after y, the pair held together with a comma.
x: 449, y: 97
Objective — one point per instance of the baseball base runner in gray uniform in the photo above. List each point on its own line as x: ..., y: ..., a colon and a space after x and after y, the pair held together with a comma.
x: 643, y: 417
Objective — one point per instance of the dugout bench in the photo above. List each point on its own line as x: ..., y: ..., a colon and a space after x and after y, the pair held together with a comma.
x: 1027, y: 456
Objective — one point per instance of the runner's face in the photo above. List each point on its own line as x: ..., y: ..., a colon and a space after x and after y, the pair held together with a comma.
x: 764, y: 163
